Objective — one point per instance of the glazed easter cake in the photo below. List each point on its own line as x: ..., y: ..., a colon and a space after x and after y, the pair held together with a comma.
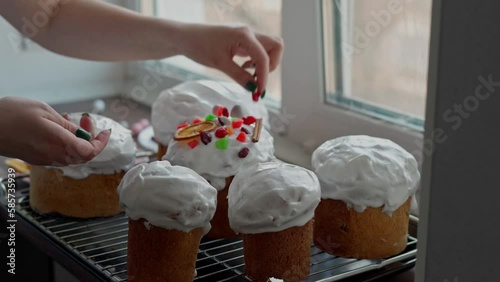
x: 272, y: 206
x: 219, y: 146
x: 169, y: 209
x: 366, y: 189
x: 89, y: 189
x: 194, y: 99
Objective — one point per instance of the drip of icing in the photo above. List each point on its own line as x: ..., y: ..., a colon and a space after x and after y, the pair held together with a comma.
x: 194, y: 99
x: 365, y: 171
x: 171, y: 197
x: 271, y: 197
x: 118, y: 155
x: 216, y: 165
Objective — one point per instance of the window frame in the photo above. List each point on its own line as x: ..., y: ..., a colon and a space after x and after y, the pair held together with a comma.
x: 336, y: 89
x: 303, y: 73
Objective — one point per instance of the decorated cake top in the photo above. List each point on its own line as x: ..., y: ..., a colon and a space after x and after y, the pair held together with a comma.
x: 271, y: 197
x: 192, y: 99
x: 365, y: 171
x: 172, y: 197
x: 219, y: 145
x: 118, y: 155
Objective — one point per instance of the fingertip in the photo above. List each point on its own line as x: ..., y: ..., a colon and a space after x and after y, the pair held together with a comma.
x: 101, y: 140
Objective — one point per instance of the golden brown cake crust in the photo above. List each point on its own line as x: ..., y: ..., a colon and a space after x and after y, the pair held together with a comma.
x: 283, y: 255
x: 220, y: 221
x: 372, y: 233
x: 161, y: 255
x: 93, y: 196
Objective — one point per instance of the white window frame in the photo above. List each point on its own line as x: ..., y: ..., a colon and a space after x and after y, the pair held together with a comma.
x: 303, y: 88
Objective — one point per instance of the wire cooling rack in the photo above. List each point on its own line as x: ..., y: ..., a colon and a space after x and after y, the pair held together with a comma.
x: 101, y: 245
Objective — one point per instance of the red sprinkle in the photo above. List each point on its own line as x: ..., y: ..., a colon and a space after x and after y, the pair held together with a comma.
x: 243, y: 153
x: 242, y: 137
x: 237, y: 123
x: 183, y: 125
x: 221, y: 132
x: 193, y: 144
x: 205, y: 137
x: 245, y: 130
x: 249, y: 120
x: 221, y: 111
x: 197, y: 120
x: 256, y: 96
x: 215, y: 109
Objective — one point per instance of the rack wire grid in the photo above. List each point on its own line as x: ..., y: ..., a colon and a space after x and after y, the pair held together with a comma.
x: 102, y: 244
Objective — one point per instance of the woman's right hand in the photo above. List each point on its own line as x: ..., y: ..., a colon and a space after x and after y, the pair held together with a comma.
x: 34, y: 132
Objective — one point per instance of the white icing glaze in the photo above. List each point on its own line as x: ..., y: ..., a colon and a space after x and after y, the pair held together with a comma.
x: 195, y: 99
x: 271, y: 197
x: 118, y: 155
x: 365, y: 171
x: 216, y: 165
x: 171, y: 197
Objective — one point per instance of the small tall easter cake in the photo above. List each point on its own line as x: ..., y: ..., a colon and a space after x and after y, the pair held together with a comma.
x: 193, y: 100
x: 272, y: 205
x: 218, y: 147
x: 366, y: 189
x: 169, y: 209
x: 89, y: 189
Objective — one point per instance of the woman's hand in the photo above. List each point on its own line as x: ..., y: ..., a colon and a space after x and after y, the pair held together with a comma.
x: 36, y: 133
x: 215, y: 46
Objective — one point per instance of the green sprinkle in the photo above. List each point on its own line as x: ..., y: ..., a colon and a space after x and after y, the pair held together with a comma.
x: 80, y: 133
x: 222, y: 143
x: 234, y: 118
x: 210, y: 117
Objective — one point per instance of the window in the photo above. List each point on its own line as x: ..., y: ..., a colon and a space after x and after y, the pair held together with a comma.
x: 261, y: 15
x: 376, y: 55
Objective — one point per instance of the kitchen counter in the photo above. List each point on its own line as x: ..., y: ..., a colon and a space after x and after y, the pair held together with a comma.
x: 130, y: 111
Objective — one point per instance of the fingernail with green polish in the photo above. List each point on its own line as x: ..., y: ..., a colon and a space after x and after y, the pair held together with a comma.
x: 263, y: 94
x: 251, y: 86
x: 80, y: 133
x: 86, y: 114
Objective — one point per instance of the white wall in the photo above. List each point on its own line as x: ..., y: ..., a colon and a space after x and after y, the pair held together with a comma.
x: 38, y: 73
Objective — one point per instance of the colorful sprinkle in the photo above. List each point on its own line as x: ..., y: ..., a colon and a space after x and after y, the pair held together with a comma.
x: 210, y: 117
x: 183, y: 125
x: 197, y: 120
x: 245, y: 130
x: 205, y: 137
x: 236, y: 111
x: 249, y: 120
x: 222, y: 111
x: 230, y: 130
x: 243, y: 153
x: 193, y: 144
x: 221, y: 132
x: 237, y: 123
x: 242, y: 137
x: 222, y: 144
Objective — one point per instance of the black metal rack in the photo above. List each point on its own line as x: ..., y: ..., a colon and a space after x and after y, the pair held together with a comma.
x: 96, y: 249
